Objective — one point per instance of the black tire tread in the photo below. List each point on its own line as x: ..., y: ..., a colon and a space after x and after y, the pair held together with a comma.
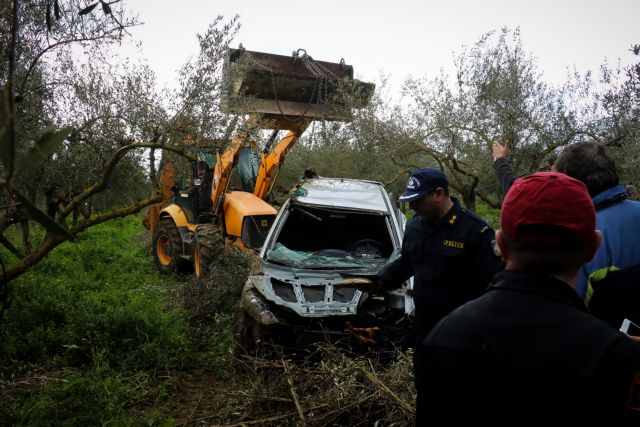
x: 167, y: 227
x: 210, y: 244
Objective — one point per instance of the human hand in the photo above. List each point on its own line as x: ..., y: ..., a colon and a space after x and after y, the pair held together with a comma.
x: 499, y: 151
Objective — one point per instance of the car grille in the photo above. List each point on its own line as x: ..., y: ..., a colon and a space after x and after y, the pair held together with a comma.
x: 312, y: 294
x: 284, y: 290
x: 343, y: 294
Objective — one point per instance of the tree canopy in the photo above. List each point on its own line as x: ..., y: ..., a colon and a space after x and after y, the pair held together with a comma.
x: 82, y: 137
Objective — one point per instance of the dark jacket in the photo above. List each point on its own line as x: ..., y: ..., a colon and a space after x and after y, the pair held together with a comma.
x: 528, y: 347
x: 452, y: 262
x: 504, y: 173
x: 616, y: 217
x: 617, y: 296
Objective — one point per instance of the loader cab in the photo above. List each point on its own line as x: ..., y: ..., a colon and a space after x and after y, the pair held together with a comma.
x: 194, y: 197
x: 245, y: 172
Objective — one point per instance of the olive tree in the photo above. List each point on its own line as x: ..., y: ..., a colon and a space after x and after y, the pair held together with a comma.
x: 497, y: 94
x: 35, y: 35
x: 617, y: 122
x: 76, y: 131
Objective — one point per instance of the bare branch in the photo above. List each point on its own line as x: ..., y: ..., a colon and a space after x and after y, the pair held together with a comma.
x: 110, y: 167
x: 7, y: 244
x: 51, y: 241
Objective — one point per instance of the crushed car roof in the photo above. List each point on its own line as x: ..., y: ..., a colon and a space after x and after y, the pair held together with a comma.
x: 342, y: 193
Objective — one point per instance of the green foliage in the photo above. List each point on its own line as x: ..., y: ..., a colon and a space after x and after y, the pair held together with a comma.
x: 95, y: 316
x: 94, y: 334
x: 44, y: 146
x: 100, y: 295
x: 212, y: 344
x: 489, y: 214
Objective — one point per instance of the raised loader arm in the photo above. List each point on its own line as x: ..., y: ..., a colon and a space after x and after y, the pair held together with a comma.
x: 222, y: 170
x: 288, y: 93
x: 270, y: 162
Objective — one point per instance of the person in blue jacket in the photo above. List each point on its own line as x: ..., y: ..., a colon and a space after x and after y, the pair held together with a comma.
x: 617, y: 217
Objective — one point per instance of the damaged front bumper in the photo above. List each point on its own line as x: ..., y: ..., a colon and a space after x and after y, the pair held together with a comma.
x: 307, y: 307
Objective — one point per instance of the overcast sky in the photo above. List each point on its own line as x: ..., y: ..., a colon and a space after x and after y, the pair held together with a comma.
x: 398, y: 37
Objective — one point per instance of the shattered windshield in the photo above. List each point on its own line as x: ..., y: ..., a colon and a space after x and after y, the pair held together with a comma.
x: 326, y: 259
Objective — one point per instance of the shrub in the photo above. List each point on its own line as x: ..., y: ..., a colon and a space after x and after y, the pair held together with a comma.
x: 210, y: 303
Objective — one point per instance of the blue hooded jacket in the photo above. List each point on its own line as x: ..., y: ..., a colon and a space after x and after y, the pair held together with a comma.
x: 619, y: 221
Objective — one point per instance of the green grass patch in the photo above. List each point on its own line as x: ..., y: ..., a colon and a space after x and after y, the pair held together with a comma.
x: 489, y: 214
x: 101, y: 293
x: 97, y: 396
x: 99, y: 312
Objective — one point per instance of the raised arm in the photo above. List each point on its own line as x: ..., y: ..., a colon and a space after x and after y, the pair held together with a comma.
x: 504, y: 172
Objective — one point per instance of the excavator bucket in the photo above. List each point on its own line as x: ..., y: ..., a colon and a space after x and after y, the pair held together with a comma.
x: 291, y: 87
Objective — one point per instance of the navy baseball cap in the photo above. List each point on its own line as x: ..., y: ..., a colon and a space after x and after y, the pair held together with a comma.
x: 422, y: 182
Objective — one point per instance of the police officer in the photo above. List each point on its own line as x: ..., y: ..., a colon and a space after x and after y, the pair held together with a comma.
x: 446, y: 248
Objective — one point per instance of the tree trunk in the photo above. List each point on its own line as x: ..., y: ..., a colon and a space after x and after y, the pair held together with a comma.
x: 26, y: 237
x: 469, y: 198
x: 468, y: 193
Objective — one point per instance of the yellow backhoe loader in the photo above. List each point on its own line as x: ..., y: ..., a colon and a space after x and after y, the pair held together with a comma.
x: 273, y: 92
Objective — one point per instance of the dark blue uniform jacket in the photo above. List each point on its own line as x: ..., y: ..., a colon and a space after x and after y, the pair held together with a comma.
x: 452, y: 262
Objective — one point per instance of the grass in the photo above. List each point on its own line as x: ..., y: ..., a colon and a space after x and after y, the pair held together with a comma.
x: 489, y: 214
x: 88, y: 324
x: 94, y: 335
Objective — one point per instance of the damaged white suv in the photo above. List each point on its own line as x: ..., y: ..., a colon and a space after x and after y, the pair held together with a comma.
x: 329, y: 229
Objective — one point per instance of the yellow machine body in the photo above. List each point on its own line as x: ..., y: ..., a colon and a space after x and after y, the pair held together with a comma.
x: 247, y: 218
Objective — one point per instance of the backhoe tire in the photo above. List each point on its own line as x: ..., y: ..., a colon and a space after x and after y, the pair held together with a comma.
x: 167, y: 248
x: 209, y: 247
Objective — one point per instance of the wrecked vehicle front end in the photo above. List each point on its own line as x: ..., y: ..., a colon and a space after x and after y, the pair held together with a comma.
x: 330, y: 229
